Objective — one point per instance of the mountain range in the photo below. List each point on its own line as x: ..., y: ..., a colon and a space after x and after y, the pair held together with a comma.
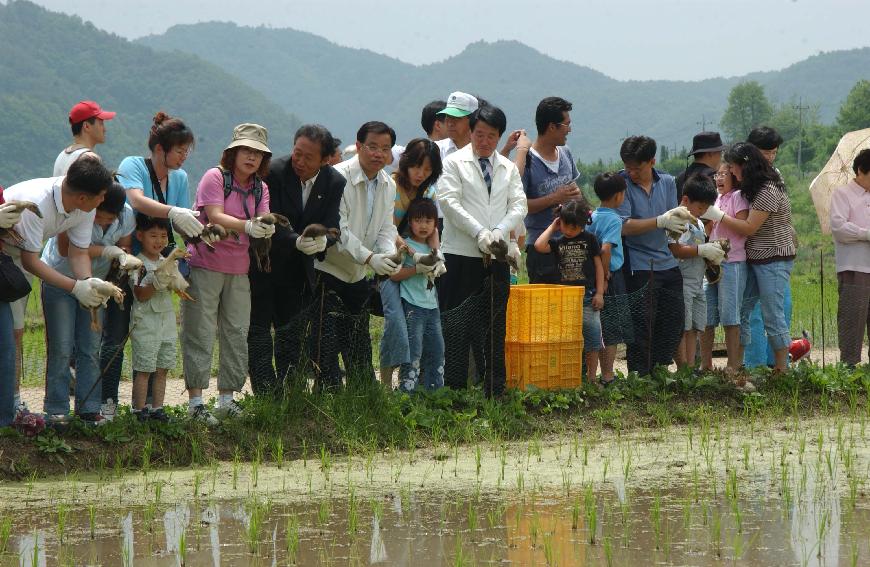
x: 343, y: 87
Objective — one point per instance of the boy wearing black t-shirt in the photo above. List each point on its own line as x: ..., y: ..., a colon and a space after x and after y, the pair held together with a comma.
x: 578, y: 257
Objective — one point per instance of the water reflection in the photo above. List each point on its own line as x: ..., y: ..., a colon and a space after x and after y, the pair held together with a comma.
x: 815, y: 520
x: 31, y: 550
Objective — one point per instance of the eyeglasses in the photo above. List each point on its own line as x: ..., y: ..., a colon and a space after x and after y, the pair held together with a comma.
x: 719, y: 176
x: 183, y: 151
x: 565, y: 124
x: 372, y: 149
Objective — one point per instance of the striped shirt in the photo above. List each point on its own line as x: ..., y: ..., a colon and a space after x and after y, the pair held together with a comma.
x: 775, y: 238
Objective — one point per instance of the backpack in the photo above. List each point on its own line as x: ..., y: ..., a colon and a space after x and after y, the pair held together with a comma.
x: 257, y: 190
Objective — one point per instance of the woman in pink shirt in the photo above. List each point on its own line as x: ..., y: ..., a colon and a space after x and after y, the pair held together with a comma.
x: 850, y: 225
x: 725, y: 297
x: 232, y: 195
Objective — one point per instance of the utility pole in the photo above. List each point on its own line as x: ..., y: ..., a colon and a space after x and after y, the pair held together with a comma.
x: 800, y: 108
x: 703, y: 123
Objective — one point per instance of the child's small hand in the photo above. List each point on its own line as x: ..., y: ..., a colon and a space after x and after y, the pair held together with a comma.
x: 557, y: 224
x: 598, y: 301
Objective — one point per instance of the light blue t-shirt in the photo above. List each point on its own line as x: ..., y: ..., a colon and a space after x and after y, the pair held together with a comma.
x: 413, y: 290
x: 692, y: 268
x: 123, y: 226
x: 133, y: 174
x: 607, y: 228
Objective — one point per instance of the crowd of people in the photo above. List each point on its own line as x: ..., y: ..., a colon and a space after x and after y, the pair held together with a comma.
x: 428, y: 225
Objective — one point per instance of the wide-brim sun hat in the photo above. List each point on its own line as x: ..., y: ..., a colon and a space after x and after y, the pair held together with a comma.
x: 250, y: 136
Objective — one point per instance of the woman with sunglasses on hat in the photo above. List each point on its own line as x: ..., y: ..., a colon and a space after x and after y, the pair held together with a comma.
x: 232, y: 195
x: 419, y: 168
x: 770, y: 245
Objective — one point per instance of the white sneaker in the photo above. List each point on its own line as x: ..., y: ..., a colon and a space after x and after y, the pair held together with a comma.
x: 231, y: 409
x: 201, y: 413
x: 109, y: 409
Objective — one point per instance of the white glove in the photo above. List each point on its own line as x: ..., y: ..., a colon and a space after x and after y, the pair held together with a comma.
x: 84, y: 291
x: 484, y: 240
x: 711, y: 251
x: 383, y: 266
x: 440, y: 270
x: 713, y: 213
x: 497, y: 235
x: 257, y: 229
x: 9, y: 215
x: 674, y: 220
x: 113, y: 252
x: 321, y: 243
x: 514, y: 251
x: 185, y: 221
x: 308, y: 245
x: 424, y: 269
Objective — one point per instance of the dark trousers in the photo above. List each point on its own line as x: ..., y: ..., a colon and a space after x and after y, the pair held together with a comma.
x: 542, y: 268
x: 853, y: 314
x: 277, y: 303
x: 658, y: 319
x: 116, y: 328
x: 478, y: 326
x: 340, y: 324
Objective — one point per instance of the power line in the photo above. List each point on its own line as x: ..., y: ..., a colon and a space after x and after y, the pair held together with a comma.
x: 800, y: 108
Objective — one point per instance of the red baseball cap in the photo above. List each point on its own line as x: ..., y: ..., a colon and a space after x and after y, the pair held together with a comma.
x: 87, y: 109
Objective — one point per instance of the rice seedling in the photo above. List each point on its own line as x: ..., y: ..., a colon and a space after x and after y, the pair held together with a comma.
x: 590, y: 506
x: 236, y: 460
x: 521, y: 483
x: 323, y: 513
x: 477, y: 460
x: 460, y: 559
x: 352, y: 514
x: 291, y: 538
x: 534, y: 525
x: 256, y: 516
x: 182, y: 548
x: 92, y: 519
x: 5, y: 532
x: 197, y: 482
x: 716, y: 532
x: 575, y: 514
x: 278, y: 451
x: 147, y: 448
x: 656, y: 519
x: 608, y: 550
x: 549, y: 554
x: 471, y: 516
x: 60, y: 524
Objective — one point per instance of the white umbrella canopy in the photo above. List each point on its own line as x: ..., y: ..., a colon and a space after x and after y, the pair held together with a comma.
x: 836, y: 173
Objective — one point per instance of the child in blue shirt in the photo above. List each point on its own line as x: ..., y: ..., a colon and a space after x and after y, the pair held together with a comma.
x: 420, y: 302
x: 578, y: 259
x: 616, y: 323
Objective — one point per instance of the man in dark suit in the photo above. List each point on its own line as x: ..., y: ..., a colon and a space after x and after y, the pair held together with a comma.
x: 307, y: 190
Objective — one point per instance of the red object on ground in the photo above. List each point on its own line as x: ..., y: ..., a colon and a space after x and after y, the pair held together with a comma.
x: 799, y: 347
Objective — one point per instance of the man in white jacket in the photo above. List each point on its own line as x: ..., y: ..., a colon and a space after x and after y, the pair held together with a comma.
x: 368, y: 237
x: 481, y: 195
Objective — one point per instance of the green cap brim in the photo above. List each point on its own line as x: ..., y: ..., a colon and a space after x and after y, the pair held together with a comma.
x: 455, y: 112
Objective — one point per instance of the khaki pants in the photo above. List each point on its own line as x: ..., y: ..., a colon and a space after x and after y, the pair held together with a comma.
x: 222, y: 307
x: 853, y: 309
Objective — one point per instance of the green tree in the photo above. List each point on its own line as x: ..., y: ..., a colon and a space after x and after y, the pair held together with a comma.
x: 748, y: 107
x: 855, y: 112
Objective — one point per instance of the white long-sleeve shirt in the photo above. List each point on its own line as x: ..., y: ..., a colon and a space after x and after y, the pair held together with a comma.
x: 850, y: 221
x: 469, y: 208
x: 361, y: 234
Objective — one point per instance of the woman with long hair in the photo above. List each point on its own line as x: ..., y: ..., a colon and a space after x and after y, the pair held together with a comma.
x: 770, y: 245
x: 419, y: 168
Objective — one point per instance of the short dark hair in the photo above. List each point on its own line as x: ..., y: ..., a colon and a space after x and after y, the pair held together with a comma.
x: 228, y: 160
x: 422, y: 209
x: 113, y: 201
x: 318, y: 134
x: 576, y: 212
x: 77, y: 127
x: 756, y: 170
x: 637, y: 149
x: 550, y: 111
x: 430, y: 115
x: 764, y: 138
x: 415, y: 153
x: 490, y: 115
x: 862, y: 162
x: 88, y: 175
x: 608, y: 184
x: 145, y: 222
x: 169, y: 132
x: 374, y: 127
x: 699, y: 188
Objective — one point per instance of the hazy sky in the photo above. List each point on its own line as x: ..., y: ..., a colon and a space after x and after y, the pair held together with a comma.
x: 626, y: 39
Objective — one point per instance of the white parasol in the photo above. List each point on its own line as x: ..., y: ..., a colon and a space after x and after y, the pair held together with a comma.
x: 836, y: 173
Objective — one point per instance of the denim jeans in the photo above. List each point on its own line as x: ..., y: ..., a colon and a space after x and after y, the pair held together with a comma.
x: 426, y: 344
x: 769, y: 283
x: 116, y: 325
x: 7, y: 366
x: 68, y: 325
x: 394, y: 343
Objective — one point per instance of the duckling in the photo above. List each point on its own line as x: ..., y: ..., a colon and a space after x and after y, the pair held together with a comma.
x: 499, y: 250
x: 20, y: 206
x: 216, y: 232
x: 169, y: 266
x: 260, y: 247
x: 315, y: 230
x: 714, y: 271
x: 108, y: 291
x: 430, y: 259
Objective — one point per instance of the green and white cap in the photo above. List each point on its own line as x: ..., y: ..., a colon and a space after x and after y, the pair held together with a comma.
x: 460, y: 104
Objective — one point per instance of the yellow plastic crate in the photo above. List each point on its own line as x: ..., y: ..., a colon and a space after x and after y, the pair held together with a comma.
x: 540, y: 313
x: 552, y: 366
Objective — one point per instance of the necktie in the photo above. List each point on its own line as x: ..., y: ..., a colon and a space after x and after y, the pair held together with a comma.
x: 486, y: 168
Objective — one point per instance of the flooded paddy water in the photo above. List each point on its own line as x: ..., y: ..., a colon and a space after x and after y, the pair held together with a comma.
x: 736, y: 492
